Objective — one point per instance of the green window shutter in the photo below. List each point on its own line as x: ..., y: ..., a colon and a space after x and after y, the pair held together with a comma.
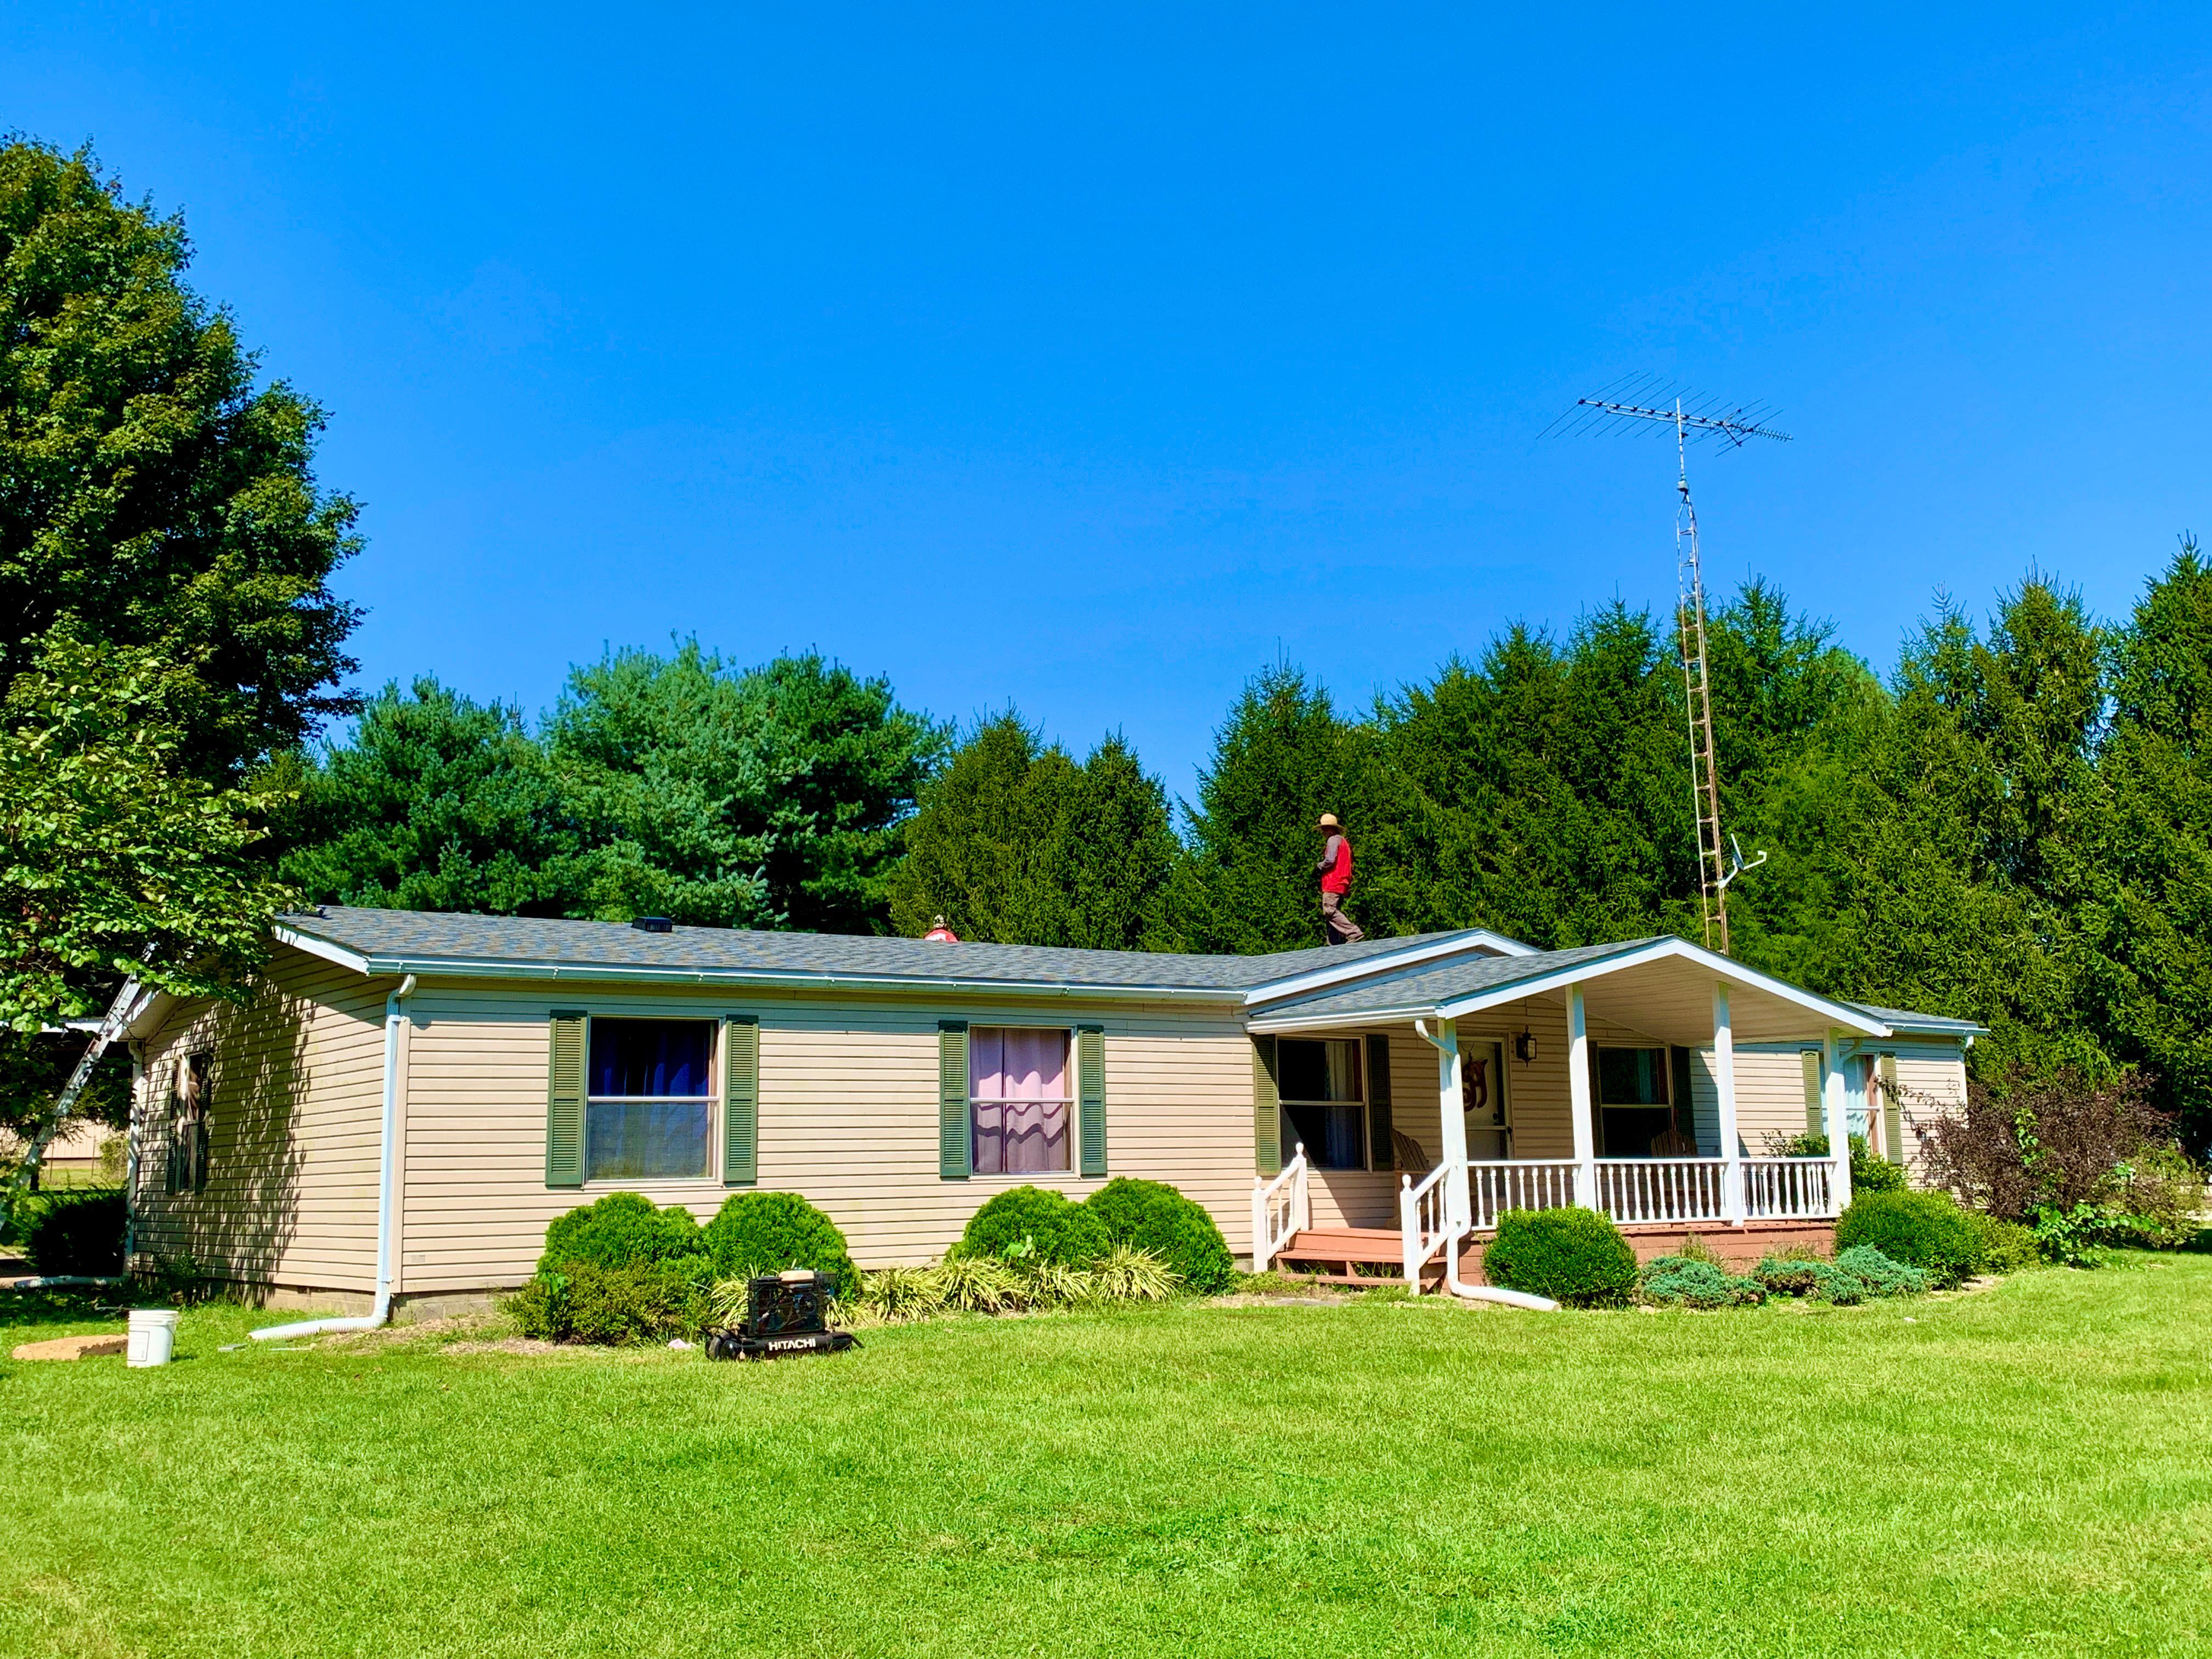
x: 1382, y: 1152
x: 740, y: 1100
x: 1816, y: 1120
x: 956, y: 1160
x: 1090, y: 1096
x: 1892, y: 1111
x: 564, y: 1101
x: 1267, y: 1107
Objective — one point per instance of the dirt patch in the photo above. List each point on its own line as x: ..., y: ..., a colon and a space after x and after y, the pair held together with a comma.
x: 528, y: 1346
x: 424, y: 1333
x: 73, y: 1347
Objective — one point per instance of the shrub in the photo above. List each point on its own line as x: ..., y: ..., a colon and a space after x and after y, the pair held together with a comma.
x: 768, y: 1232
x: 1927, y: 1230
x: 2164, y: 1194
x: 1881, y: 1274
x: 1683, y: 1282
x: 1857, y: 1275
x: 641, y: 1302
x: 77, y: 1231
x: 1573, y: 1256
x: 1154, y: 1218
x: 1870, y: 1173
x: 1026, y: 1222
x: 622, y: 1229
x: 2007, y: 1247
x: 2034, y: 1144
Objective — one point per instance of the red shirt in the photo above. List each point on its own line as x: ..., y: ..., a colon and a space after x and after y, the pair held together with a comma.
x: 1336, y: 876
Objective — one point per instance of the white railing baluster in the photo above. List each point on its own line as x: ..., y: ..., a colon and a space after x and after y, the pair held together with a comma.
x: 1281, y: 1209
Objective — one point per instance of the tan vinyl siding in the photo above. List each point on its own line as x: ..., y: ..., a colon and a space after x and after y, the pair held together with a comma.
x: 297, y: 1089
x: 848, y: 1118
x: 1770, y: 1085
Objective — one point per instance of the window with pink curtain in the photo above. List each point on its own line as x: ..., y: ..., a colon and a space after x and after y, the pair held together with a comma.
x: 1018, y: 1103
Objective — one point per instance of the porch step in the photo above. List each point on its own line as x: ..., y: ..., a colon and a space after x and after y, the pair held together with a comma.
x: 1338, y: 1252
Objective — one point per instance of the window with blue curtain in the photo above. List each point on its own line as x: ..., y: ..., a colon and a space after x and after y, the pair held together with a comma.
x: 649, y: 1100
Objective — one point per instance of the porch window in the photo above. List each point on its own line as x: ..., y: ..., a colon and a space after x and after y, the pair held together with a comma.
x: 649, y: 1099
x: 1018, y: 1101
x: 1324, y: 1098
x: 1635, y: 1100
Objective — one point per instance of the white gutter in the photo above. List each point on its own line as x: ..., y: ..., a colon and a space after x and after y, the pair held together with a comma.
x: 1387, y: 964
x: 386, y: 1198
x: 1460, y: 1217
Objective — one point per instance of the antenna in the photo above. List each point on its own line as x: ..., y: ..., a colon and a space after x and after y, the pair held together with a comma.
x: 1643, y: 401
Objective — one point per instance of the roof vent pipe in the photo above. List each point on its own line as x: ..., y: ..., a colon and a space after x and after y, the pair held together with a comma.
x: 652, y: 924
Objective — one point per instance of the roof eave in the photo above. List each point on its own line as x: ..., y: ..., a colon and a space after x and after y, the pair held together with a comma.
x: 1384, y: 962
x: 583, y: 973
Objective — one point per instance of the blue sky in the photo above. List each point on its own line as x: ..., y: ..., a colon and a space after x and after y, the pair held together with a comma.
x: 1088, y: 360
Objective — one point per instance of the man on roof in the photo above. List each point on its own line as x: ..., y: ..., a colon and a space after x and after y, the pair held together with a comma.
x: 1335, y: 872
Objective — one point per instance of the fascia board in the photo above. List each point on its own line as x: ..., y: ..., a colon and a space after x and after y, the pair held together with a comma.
x: 1268, y: 1025
x: 320, y: 947
x: 569, y: 973
x: 1375, y: 967
x: 1837, y: 1013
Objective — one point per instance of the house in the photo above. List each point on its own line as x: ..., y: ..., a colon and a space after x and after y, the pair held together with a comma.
x: 427, y: 1091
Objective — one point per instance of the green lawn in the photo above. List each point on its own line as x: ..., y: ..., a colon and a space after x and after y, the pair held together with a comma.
x: 2027, y: 1470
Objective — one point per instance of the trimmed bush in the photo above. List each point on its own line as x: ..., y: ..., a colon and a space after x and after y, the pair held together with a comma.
x: 640, y: 1301
x: 1573, y: 1256
x: 77, y: 1232
x: 768, y: 1232
x: 1676, y: 1281
x: 1153, y: 1217
x: 1858, y: 1274
x: 622, y: 1229
x: 1029, y: 1223
x: 2007, y: 1247
x: 1927, y: 1230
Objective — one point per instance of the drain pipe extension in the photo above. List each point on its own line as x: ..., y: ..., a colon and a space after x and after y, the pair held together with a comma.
x: 1453, y: 1282
x: 387, y: 1200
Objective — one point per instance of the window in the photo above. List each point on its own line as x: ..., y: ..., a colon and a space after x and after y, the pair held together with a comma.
x: 1019, y: 1106
x: 189, y: 1102
x: 1325, y: 1099
x: 649, y: 1099
x: 1635, y: 1100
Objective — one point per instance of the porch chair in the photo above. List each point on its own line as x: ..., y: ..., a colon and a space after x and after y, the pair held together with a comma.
x: 1408, y: 1152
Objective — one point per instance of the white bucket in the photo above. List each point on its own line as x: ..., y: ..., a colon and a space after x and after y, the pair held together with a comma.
x: 153, y: 1336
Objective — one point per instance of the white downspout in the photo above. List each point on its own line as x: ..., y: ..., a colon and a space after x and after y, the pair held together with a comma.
x: 387, y: 1199
x: 1461, y: 1201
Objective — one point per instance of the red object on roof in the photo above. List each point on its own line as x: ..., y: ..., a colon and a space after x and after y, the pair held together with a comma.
x: 942, y: 933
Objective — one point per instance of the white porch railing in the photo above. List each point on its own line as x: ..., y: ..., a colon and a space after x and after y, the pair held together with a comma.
x: 1496, y: 1186
x: 1280, y: 1208
x: 1789, y: 1189
x: 1663, y: 1189
x: 1425, y: 1224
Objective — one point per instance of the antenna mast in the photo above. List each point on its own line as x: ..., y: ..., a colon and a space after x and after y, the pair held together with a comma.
x: 1720, y: 859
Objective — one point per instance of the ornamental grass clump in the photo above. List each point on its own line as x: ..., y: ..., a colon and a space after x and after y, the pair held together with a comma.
x: 1676, y: 1281
x: 1573, y: 1256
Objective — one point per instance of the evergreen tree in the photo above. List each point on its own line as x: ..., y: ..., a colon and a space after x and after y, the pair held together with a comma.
x: 769, y: 796
x: 437, y: 803
x: 1016, y: 843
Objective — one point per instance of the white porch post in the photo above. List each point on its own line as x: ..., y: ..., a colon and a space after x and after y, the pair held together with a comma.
x: 1459, y: 1202
x: 1724, y: 1085
x: 1837, y: 1114
x: 1578, y: 1096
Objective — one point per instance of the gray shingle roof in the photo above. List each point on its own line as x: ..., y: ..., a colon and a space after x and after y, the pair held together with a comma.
x: 1904, y: 1020
x: 1422, y: 988
x: 416, y: 938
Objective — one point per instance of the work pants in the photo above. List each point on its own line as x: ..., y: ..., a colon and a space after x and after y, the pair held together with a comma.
x: 1342, y: 929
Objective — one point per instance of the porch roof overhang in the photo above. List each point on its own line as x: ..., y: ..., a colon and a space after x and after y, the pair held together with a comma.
x: 1659, y: 987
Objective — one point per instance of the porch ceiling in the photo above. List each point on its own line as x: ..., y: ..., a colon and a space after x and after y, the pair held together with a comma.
x: 1660, y: 988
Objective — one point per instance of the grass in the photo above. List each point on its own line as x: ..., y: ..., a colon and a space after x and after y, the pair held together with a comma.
x: 2020, y: 1471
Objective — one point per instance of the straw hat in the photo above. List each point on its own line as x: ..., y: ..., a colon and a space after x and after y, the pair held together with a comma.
x: 1329, y: 821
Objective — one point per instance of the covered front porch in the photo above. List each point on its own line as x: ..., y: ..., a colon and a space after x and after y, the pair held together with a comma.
x: 1609, y: 1078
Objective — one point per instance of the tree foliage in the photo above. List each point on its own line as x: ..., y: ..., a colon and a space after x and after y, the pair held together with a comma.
x: 1015, y: 841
